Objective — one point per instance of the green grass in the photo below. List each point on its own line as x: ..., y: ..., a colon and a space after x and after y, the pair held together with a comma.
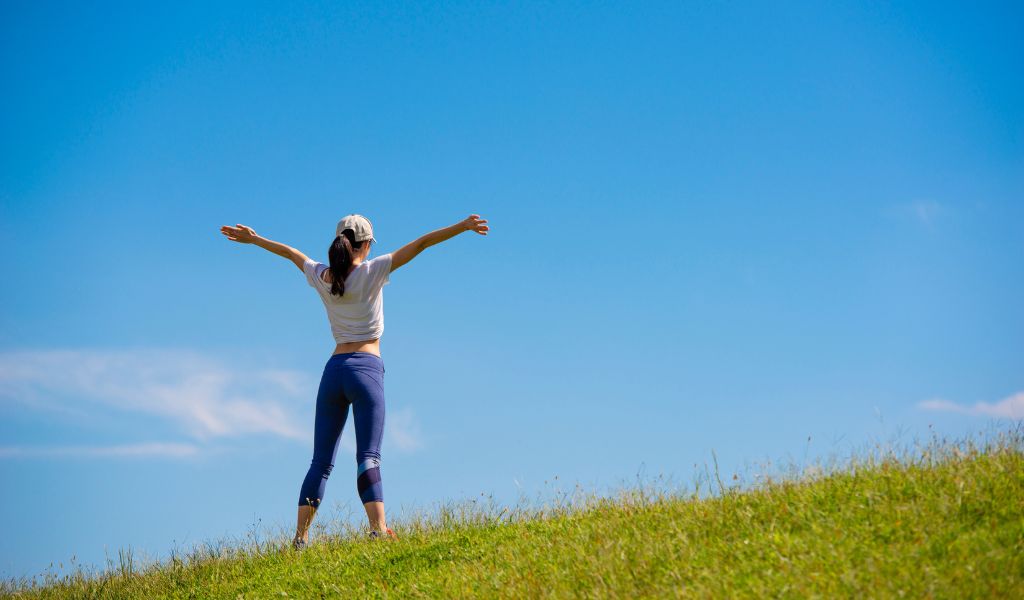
x: 943, y: 519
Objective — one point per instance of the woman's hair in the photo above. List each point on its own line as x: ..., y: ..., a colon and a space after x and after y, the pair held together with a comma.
x: 340, y: 257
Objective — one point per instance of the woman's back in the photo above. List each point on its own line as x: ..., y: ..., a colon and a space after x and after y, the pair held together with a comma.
x: 358, y: 314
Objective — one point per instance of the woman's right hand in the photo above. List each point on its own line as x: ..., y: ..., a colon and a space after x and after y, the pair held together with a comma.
x: 242, y: 234
x: 475, y: 223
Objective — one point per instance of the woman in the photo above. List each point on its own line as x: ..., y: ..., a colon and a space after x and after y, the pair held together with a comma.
x: 351, y: 290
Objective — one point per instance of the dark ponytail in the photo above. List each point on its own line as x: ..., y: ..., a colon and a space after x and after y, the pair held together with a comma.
x: 340, y: 257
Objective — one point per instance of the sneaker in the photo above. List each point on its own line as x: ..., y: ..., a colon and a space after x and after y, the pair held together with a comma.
x: 387, y: 535
x: 299, y: 544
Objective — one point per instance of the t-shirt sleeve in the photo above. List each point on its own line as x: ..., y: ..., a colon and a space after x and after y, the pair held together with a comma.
x: 380, y: 271
x: 312, y: 269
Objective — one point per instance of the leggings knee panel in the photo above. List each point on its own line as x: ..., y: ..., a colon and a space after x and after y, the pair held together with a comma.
x: 368, y: 481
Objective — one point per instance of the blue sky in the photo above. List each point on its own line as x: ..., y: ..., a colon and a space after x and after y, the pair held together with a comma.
x: 715, y: 227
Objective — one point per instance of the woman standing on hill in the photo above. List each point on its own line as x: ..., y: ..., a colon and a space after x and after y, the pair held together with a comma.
x: 351, y: 290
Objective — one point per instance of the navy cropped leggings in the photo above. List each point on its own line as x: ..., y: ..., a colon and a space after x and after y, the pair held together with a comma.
x: 356, y: 379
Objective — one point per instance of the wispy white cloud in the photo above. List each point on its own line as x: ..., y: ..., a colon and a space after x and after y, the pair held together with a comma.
x: 403, y: 428
x: 925, y: 212
x: 1010, y: 408
x: 196, y: 393
x: 173, y: 450
x: 200, y: 395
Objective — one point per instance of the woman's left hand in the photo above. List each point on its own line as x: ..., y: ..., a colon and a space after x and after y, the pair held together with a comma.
x: 240, y: 233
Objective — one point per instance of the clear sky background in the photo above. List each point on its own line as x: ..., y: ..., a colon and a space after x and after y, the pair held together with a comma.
x: 769, y: 231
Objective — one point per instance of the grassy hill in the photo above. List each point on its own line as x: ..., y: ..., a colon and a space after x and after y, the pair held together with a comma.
x: 941, y: 520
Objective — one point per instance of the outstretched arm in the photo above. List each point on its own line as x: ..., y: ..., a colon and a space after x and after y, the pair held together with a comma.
x: 410, y: 250
x: 245, y: 235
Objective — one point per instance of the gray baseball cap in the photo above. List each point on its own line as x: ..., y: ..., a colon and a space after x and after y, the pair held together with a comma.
x: 359, y: 225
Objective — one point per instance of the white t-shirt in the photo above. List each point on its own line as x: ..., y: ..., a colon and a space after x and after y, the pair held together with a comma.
x: 357, y: 315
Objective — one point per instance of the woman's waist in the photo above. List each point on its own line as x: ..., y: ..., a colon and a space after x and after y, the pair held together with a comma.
x: 368, y: 346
